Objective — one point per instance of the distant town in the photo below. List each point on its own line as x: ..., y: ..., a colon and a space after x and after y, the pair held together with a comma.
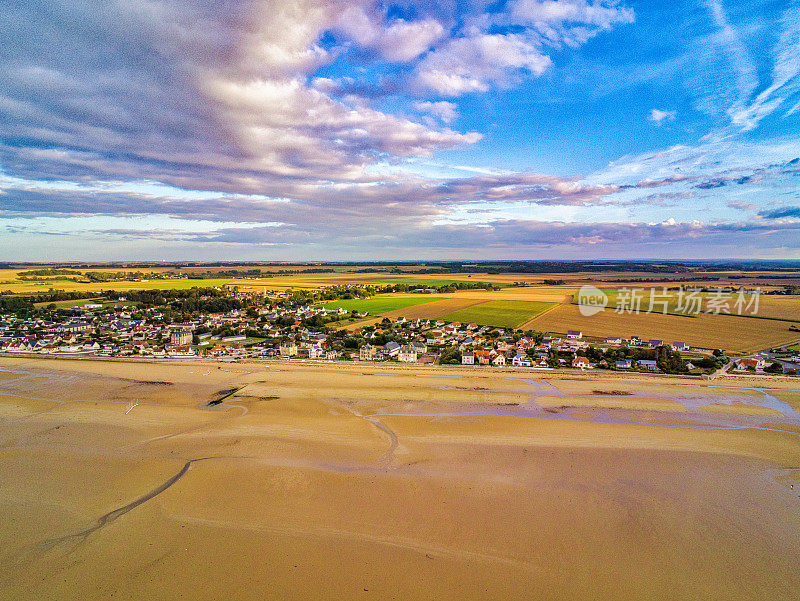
x: 228, y: 324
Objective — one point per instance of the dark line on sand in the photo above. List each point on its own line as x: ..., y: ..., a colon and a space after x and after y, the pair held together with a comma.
x: 120, y: 511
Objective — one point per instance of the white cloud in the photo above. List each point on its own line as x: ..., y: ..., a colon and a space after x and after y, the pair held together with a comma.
x: 658, y: 116
x: 602, y: 13
x: 478, y: 58
x: 473, y: 64
x: 446, y: 111
x: 404, y: 41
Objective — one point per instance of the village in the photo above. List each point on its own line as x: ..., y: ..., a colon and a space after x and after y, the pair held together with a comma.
x: 280, y: 328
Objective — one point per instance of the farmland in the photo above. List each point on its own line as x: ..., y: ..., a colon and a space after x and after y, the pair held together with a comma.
x: 499, y: 313
x: 657, y: 300
x: 734, y: 333
x: 529, y: 301
x: 379, y: 304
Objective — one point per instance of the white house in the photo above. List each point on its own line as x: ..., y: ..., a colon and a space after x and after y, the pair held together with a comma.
x: 521, y: 360
x: 407, y: 354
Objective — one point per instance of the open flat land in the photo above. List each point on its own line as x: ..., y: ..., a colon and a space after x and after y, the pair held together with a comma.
x: 499, y: 313
x: 731, y: 332
x: 315, y: 481
x: 529, y: 301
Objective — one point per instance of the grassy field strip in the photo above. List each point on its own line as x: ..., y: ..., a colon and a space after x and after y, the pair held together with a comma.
x: 434, y: 310
x: 380, y: 304
x: 499, y: 313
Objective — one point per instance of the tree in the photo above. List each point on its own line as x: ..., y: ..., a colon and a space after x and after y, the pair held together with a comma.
x: 774, y: 368
x: 451, y: 356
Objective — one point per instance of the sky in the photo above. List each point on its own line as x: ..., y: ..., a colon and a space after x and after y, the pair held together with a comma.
x: 313, y: 130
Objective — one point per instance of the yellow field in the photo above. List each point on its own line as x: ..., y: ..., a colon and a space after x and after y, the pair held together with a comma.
x: 733, y: 333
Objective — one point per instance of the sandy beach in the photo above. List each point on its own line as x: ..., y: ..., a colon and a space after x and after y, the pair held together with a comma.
x: 203, y: 480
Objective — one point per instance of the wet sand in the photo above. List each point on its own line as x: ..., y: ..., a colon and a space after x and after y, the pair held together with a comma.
x: 363, y: 481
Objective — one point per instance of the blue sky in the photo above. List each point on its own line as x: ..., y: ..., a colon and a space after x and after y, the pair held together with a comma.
x: 300, y: 130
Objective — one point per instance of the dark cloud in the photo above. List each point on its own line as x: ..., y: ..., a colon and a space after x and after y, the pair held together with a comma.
x: 781, y: 213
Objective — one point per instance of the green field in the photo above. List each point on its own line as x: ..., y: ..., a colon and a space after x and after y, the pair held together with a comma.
x: 379, y: 304
x: 502, y: 314
x: 67, y: 304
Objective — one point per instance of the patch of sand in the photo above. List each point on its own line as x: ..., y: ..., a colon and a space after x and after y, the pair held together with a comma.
x: 318, y: 482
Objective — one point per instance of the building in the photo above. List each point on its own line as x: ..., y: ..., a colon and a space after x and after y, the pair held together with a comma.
x: 751, y: 363
x: 485, y: 356
x: 407, y: 354
x: 613, y: 340
x: 468, y: 358
x: 656, y: 343
x: 391, y: 348
x: 76, y: 327
x: 420, y: 347
x: 367, y: 352
x: 180, y: 337
x: 287, y: 349
x: 521, y: 360
x: 582, y: 363
x: 625, y: 364
x: 680, y: 346
x: 647, y: 364
x: 574, y: 334
x: 316, y: 352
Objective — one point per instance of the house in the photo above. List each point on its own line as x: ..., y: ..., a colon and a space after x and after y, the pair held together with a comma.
x: 751, y: 363
x: 656, y: 343
x: 180, y: 337
x: 485, y: 356
x: 574, y: 334
x: 315, y: 352
x: 521, y: 360
x: 420, y: 347
x: 287, y: 349
x: 625, y: 364
x: 647, y: 364
x: 582, y: 363
x: 182, y: 351
x: 367, y: 352
x: 613, y: 340
x: 407, y: 354
x: 498, y: 360
x: 76, y: 327
x: 636, y: 341
x: 391, y: 348
x: 468, y: 358
x: 680, y: 346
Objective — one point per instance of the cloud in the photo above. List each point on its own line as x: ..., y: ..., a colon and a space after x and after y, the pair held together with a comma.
x: 474, y: 64
x: 781, y: 213
x: 396, y: 40
x: 446, y: 111
x: 726, y: 50
x: 202, y: 95
x: 570, y: 21
x: 477, y: 57
x: 658, y: 116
